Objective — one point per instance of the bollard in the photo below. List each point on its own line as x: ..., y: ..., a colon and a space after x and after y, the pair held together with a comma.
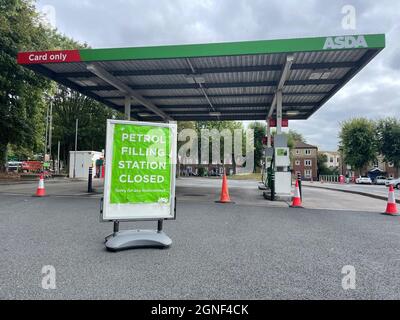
x: 90, y: 189
x: 299, y: 180
x: 273, y: 186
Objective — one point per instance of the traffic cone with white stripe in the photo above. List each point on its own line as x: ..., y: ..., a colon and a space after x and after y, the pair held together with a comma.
x: 40, y: 191
x: 391, y: 208
x: 224, y: 192
x: 296, y: 197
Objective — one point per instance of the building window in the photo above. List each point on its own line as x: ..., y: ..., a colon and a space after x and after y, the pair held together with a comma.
x: 308, y: 163
x: 297, y: 151
x: 307, y: 173
x: 331, y: 159
x: 391, y: 164
x: 307, y: 152
x: 298, y: 173
x: 297, y: 163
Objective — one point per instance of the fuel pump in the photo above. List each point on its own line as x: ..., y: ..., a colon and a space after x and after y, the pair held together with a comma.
x: 283, y: 177
x: 277, y: 169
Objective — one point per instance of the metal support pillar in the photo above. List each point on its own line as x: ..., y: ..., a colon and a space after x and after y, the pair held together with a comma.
x: 279, y: 112
x: 128, y: 108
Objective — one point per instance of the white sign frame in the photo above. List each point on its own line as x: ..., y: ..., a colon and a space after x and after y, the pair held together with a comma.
x: 143, y: 211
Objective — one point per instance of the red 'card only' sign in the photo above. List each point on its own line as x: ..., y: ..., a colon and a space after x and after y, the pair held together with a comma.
x: 49, y: 57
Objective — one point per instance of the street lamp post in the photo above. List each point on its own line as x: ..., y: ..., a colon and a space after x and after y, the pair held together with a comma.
x: 50, y: 128
x: 76, y: 145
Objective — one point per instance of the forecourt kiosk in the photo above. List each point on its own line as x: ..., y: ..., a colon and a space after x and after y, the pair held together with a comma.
x: 279, y: 80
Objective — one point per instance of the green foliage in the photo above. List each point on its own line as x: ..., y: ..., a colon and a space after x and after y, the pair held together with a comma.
x: 358, y: 142
x: 21, y: 91
x: 322, y: 160
x: 202, y: 172
x: 260, y: 131
x: 294, y: 136
x: 388, y: 137
x: 69, y: 106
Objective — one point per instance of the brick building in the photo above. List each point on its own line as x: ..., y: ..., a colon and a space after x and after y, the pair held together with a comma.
x: 304, y: 160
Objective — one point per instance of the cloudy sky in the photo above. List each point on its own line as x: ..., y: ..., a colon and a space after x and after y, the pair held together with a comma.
x: 373, y: 93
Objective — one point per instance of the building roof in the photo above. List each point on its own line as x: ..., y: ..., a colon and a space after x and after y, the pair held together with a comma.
x: 302, y: 145
x: 216, y: 81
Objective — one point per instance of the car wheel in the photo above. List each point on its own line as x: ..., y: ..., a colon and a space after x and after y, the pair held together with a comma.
x: 398, y: 186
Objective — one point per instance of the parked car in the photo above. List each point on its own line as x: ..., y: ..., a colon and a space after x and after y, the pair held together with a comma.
x: 14, y: 165
x: 363, y: 180
x: 380, y: 180
x: 394, y: 182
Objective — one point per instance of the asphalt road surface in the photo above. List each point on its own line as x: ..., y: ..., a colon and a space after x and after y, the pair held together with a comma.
x: 249, y: 250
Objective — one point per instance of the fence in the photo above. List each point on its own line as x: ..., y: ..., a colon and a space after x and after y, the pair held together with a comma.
x: 331, y: 178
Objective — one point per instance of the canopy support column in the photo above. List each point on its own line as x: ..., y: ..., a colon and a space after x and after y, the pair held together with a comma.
x: 279, y: 112
x: 128, y: 100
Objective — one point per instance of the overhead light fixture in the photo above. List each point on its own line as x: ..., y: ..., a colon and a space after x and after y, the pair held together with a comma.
x: 292, y: 113
x: 195, y: 79
x: 326, y: 75
x: 215, y: 114
x: 321, y: 74
x: 144, y: 114
x: 315, y: 75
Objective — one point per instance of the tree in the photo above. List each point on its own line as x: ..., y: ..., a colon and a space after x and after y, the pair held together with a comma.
x: 322, y: 160
x: 21, y: 91
x: 388, y: 138
x: 22, y: 103
x: 260, y: 132
x: 92, y: 116
x: 294, y: 136
x: 358, y: 140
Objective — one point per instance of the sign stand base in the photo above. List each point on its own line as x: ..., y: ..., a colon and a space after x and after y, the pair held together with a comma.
x: 130, y: 239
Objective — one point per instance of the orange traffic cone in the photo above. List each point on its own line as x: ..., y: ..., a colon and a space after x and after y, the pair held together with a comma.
x: 224, y: 192
x: 391, y: 208
x: 296, y: 198
x: 40, y: 192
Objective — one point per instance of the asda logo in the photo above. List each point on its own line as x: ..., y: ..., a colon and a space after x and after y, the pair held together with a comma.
x: 345, y: 42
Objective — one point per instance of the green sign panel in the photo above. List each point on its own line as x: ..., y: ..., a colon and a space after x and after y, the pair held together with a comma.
x: 141, y: 164
x: 281, y: 152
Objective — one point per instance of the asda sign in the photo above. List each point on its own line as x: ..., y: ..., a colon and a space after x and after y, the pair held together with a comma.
x: 345, y: 42
x: 140, y: 171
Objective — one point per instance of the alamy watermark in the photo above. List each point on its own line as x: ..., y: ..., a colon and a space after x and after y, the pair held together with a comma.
x: 49, y: 278
x: 233, y: 151
x: 349, y: 280
x: 349, y: 20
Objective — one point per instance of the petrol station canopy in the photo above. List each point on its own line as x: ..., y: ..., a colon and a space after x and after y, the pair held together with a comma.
x: 216, y: 81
